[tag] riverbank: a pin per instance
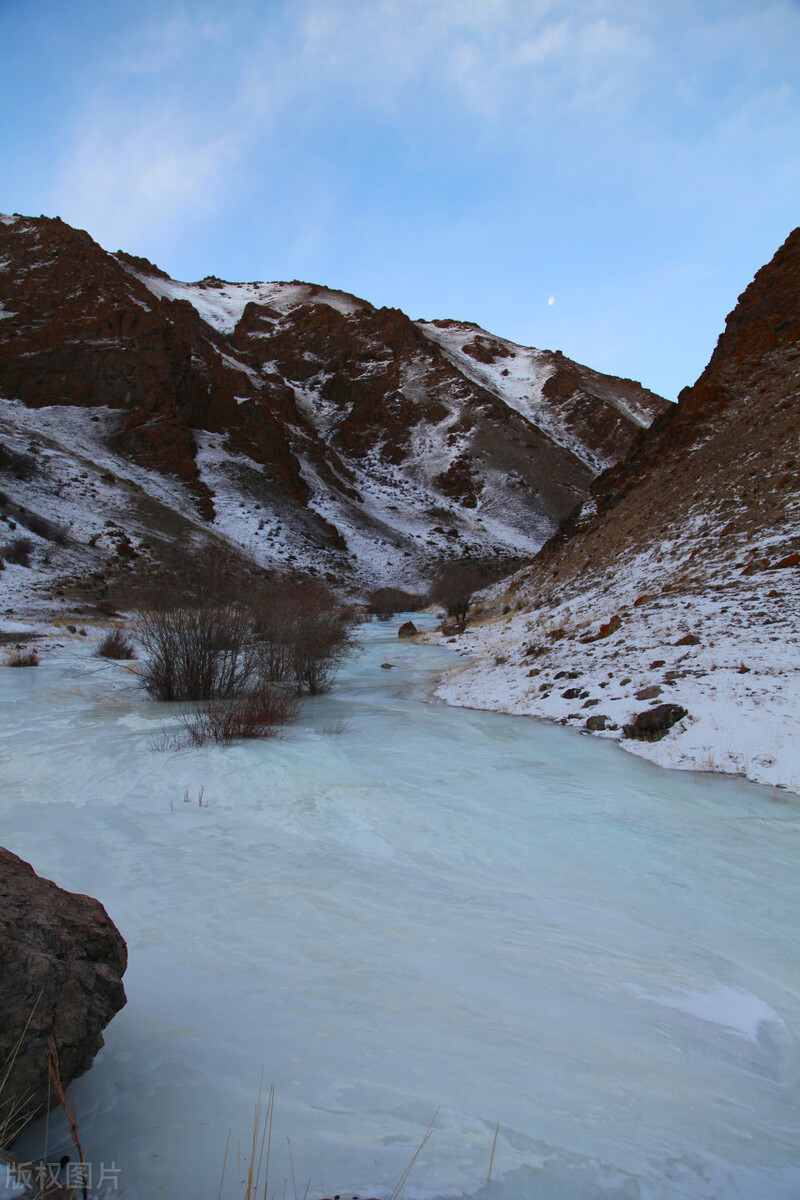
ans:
(728, 655)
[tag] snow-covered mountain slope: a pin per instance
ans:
(588, 413)
(300, 424)
(678, 580)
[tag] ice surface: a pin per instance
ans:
(734, 1009)
(436, 908)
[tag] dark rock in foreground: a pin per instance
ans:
(408, 630)
(61, 965)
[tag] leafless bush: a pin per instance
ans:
(18, 657)
(258, 714)
(274, 616)
(218, 644)
(323, 638)
(117, 645)
(18, 551)
(201, 653)
(45, 528)
(385, 602)
(305, 634)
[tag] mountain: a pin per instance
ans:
(677, 580)
(297, 422)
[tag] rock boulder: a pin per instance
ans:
(652, 725)
(61, 965)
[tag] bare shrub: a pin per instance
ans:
(18, 551)
(197, 637)
(14, 462)
(45, 528)
(305, 634)
(385, 602)
(323, 637)
(258, 714)
(218, 644)
(201, 653)
(18, 657)
(117, 645)
(274, 614)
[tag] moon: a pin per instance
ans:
(551, 300)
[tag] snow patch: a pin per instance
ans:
(222, 305)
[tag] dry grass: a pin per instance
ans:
(258, 714)
(333, 727)
(19, 657)
(116, 645)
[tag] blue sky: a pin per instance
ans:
(633, 161)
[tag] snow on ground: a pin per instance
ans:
(517, 376)
(94, 496)
(740, 682)
(88, 494)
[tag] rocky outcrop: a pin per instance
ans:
(754, 362)
(322, 404)
(407, 630)
(655, 723)
(61, 967)
(715, 474)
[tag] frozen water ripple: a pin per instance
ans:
(434, 908)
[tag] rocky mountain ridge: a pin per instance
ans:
(292, 420)
(677, 581)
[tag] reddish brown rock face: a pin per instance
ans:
(87, 332)
(715, 476)
(321, 393)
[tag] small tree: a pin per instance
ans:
(455, 588)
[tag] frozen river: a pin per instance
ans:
(432, 911)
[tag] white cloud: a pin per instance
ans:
(494, 57)
(191, 104)
(121, 182)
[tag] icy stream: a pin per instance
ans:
(434, 909)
